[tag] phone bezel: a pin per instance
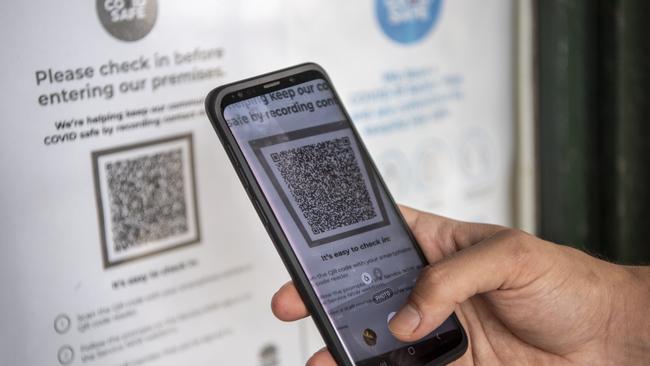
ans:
(215, 103)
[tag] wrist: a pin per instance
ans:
(634, 308)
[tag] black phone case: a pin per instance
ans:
(300, 279)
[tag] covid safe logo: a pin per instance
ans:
(407, 21)
(128, 20)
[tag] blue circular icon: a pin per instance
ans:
(407, 21)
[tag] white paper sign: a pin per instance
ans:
(128, 238)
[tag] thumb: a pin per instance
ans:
(495, 263)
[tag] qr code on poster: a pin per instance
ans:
(325, 183)
(146, 198)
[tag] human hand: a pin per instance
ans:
(522, 300)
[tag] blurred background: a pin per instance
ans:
(127, 237)
(593, 155)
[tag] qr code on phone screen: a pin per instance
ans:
(146, 201)
(324, 181)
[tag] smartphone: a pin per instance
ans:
(329, 214)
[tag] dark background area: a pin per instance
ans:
(593, 131)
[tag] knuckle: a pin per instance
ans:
(517, 245)
(432, 284)
(433, 276)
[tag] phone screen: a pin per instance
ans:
(337, 215)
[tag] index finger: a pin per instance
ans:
(440, 236)
(409, 214)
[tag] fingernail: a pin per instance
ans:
(405, 321)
